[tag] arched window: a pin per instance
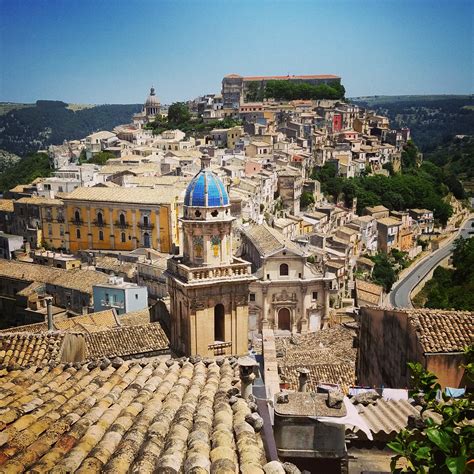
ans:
(101, 235)
(77, 216)
(283, 269)
(122, 219)
(100, 218)
(219, 323)
(78, 233)
(123, 237)
(284, 320)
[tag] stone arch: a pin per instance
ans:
(284, 319)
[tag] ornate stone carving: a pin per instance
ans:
(197, 304)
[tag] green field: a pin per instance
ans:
(6, 107)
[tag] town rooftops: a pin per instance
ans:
(379, 208)
(367, 292)
(38, 200)
(442, 331)
(269, 241)
(117, 416)
(149, 196)
(77, 279)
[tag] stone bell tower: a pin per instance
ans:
(208, 286)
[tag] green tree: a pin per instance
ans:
(441, 440)
(101, 157)
(178, 113)
(409, 155)
(306, 199)
(383, 272)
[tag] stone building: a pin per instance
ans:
(290, 187)
(389, 339)
(208, 287)
(290, 294)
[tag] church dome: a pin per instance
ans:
(206, 190)
(152, 99)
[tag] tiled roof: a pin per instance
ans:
(206, 189)
(77, 279)
(368, 292)
(38, 200)
(327, 353)
(23, 349)
(92, 322)
(125, 341)
(135, 318)
(6, 205)
(443, 331)
(268, 240)
(155, 196)
(341, 374)
(119, 417)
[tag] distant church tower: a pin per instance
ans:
(152, 104)
(208, 287)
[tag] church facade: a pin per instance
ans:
(208, 286)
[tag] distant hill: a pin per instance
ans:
(25, 128)
(433, 119)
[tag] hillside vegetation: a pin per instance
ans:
(28, 129)
(433, 120)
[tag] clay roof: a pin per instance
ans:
(368, 292)
(22, 349)
(6, 205)
(133, 416)
(327, 353)
(156, 196)
(125, 341)
(77, 279)
(443, 331)
(268, 240)
(341, 374)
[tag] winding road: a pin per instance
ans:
(400, 294)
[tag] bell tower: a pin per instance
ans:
(208, 286)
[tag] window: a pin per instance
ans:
(145, 221)
(78, 233)
(50, 229)
(101, 235)
(315, 295)
(219, 323)
(61, 230)
(77, 216)
(122, 219)
(136, 296)
(283, 269)
(252, 297)
(100, 219)
(123, 237)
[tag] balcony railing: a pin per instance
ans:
(220, 348)
(122, 225)
(77, 222)
(238, 269)
(147, 226)
(112, 304)
(60, 218)
(97, 223)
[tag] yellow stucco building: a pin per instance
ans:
(121, 218)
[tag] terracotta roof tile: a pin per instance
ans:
(152, 416)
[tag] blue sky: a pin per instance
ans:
(111, 51)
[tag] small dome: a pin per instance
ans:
(206, 190)
(152, 99)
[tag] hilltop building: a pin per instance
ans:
(151, 109)
(208, 286)
(235, 87)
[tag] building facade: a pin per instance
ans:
(208, 287)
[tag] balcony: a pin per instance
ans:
(238, 270)
(97, 223)
(220, 348)
(60, 218)
(112, 304)
(77, 222)
(122, 225)
(147, 226)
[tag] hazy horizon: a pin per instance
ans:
(111, 52)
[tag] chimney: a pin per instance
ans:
(302, 379)
(246, 369)
(49, 309)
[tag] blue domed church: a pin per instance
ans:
(208, 286)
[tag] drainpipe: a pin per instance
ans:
(303, 375)
(246, 369)
(49, 307)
